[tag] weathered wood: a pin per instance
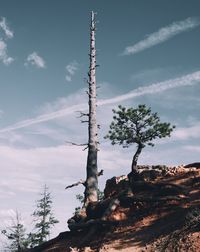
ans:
(102, 210)
(76, 144)
(82, 182)
(96, 211)
(91, 184)
(111, 208)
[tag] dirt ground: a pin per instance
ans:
(148, 227)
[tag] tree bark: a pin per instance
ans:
(135, 158)
(82, 182)
(91, 185)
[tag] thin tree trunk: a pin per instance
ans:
(42, 235)
(18, 233)
(91, 185)
(135, 159)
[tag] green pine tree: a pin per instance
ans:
(137, 126)
(16, 235)
(43, 218)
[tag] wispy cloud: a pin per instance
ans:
(1, 113)
(4, 26)
(45, 117)
(35, 60)
(8, 34)
(5, 213)
(163, 35)
(23, 166)
(186, 80)
(187, 132)
(192, 148)
(4, 55)
(71, 69)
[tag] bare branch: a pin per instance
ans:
(80, 182)
(88, 93)
(100, 173)
(83, 182)
(72, 143)
(85, 148)
(82, 114)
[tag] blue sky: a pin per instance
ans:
(148, 52)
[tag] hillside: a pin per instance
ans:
(160, 213)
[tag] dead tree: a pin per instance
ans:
(82, 182)
(91, 184)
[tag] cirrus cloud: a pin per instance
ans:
(71, 68)
(7, 34)
(7, 60)
(162, 35)
(185, 80)
(35, 60)
(4, 26)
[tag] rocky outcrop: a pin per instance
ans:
(115, 185)
(151, 215)
(194, 165)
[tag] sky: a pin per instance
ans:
(148, 52)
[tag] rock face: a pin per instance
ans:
(161, 211)
(115, 185)
(147, 173)
(151, 172)
(196, 165)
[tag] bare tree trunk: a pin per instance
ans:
(135, 159)
(19, 249)
(91, 185)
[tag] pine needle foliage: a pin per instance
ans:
(16, 235)
(137, 126)
(43, 218)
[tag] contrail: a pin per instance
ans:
(186, 80)
(162, 35)
(44, 117)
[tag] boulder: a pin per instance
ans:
(115, 185)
